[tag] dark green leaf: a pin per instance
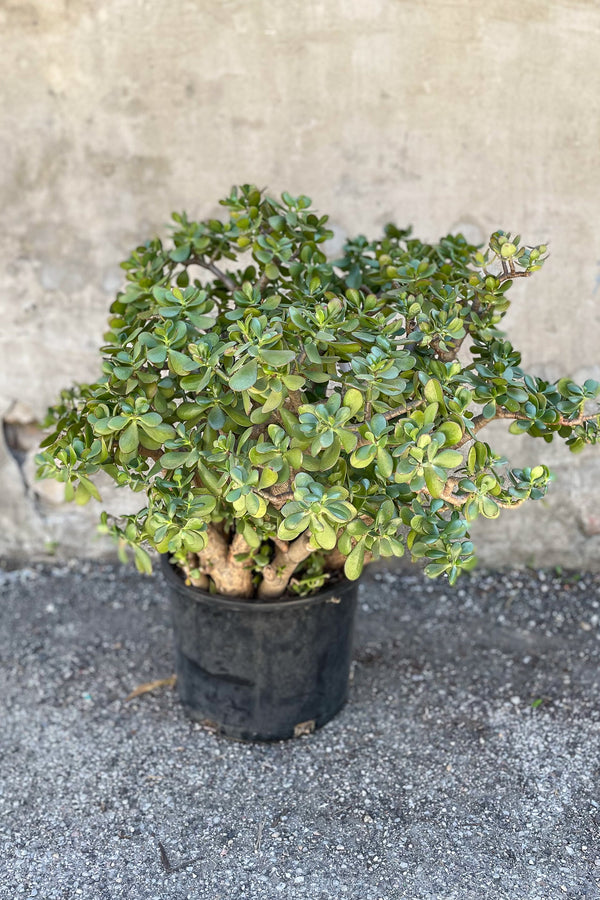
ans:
(173, 459)
(216, 418)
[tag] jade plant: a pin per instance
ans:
(285, 417)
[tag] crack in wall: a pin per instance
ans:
(20, 435)
(15, 448)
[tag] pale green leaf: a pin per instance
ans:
(355, 561)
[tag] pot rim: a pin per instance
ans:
(194, 593)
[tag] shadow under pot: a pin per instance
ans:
(261, 671)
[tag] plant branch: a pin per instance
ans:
(449, 496)
(390, 414)
(334, 560)
(264, 278)
(401, 410)
(277, 574)
(232, 577)
(200, 581)
(446, 355)
(293, 401)
(507, 505)
(448, 492)
(480, 421)
(227, 280)
(263, 282)
(508, 276)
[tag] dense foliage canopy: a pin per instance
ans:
(285, 415)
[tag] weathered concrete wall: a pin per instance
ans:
(464, 115)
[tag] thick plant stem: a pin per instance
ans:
(334, 560)
(232, 577)
(277, 574)
(199, 581)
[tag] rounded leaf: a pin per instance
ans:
(128, 439)
(489, 509)
(435, 485)
(452, 432)
(353, 400)
(448, 459)
(355, 562)
(433, 391)
(245, 377)
(364, 456)
(277, 358)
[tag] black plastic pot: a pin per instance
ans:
(262, 671)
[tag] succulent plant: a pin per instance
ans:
(285, 417)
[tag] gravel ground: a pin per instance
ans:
(465, 765)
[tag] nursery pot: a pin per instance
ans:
(261, 671)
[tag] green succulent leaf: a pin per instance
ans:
(129, 438)
(181, 253)
(353, 400)
(448, 459)
(173, 459)
(355, 562)
(489, 508)
(180, 363)
(364, 456)
(323, 535)
(435, 484)
(385, 463)
(278, 357)
(433, 391)
(143, 562)
(245, 377)
(452, 432)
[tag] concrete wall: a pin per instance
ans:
(463, 115)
